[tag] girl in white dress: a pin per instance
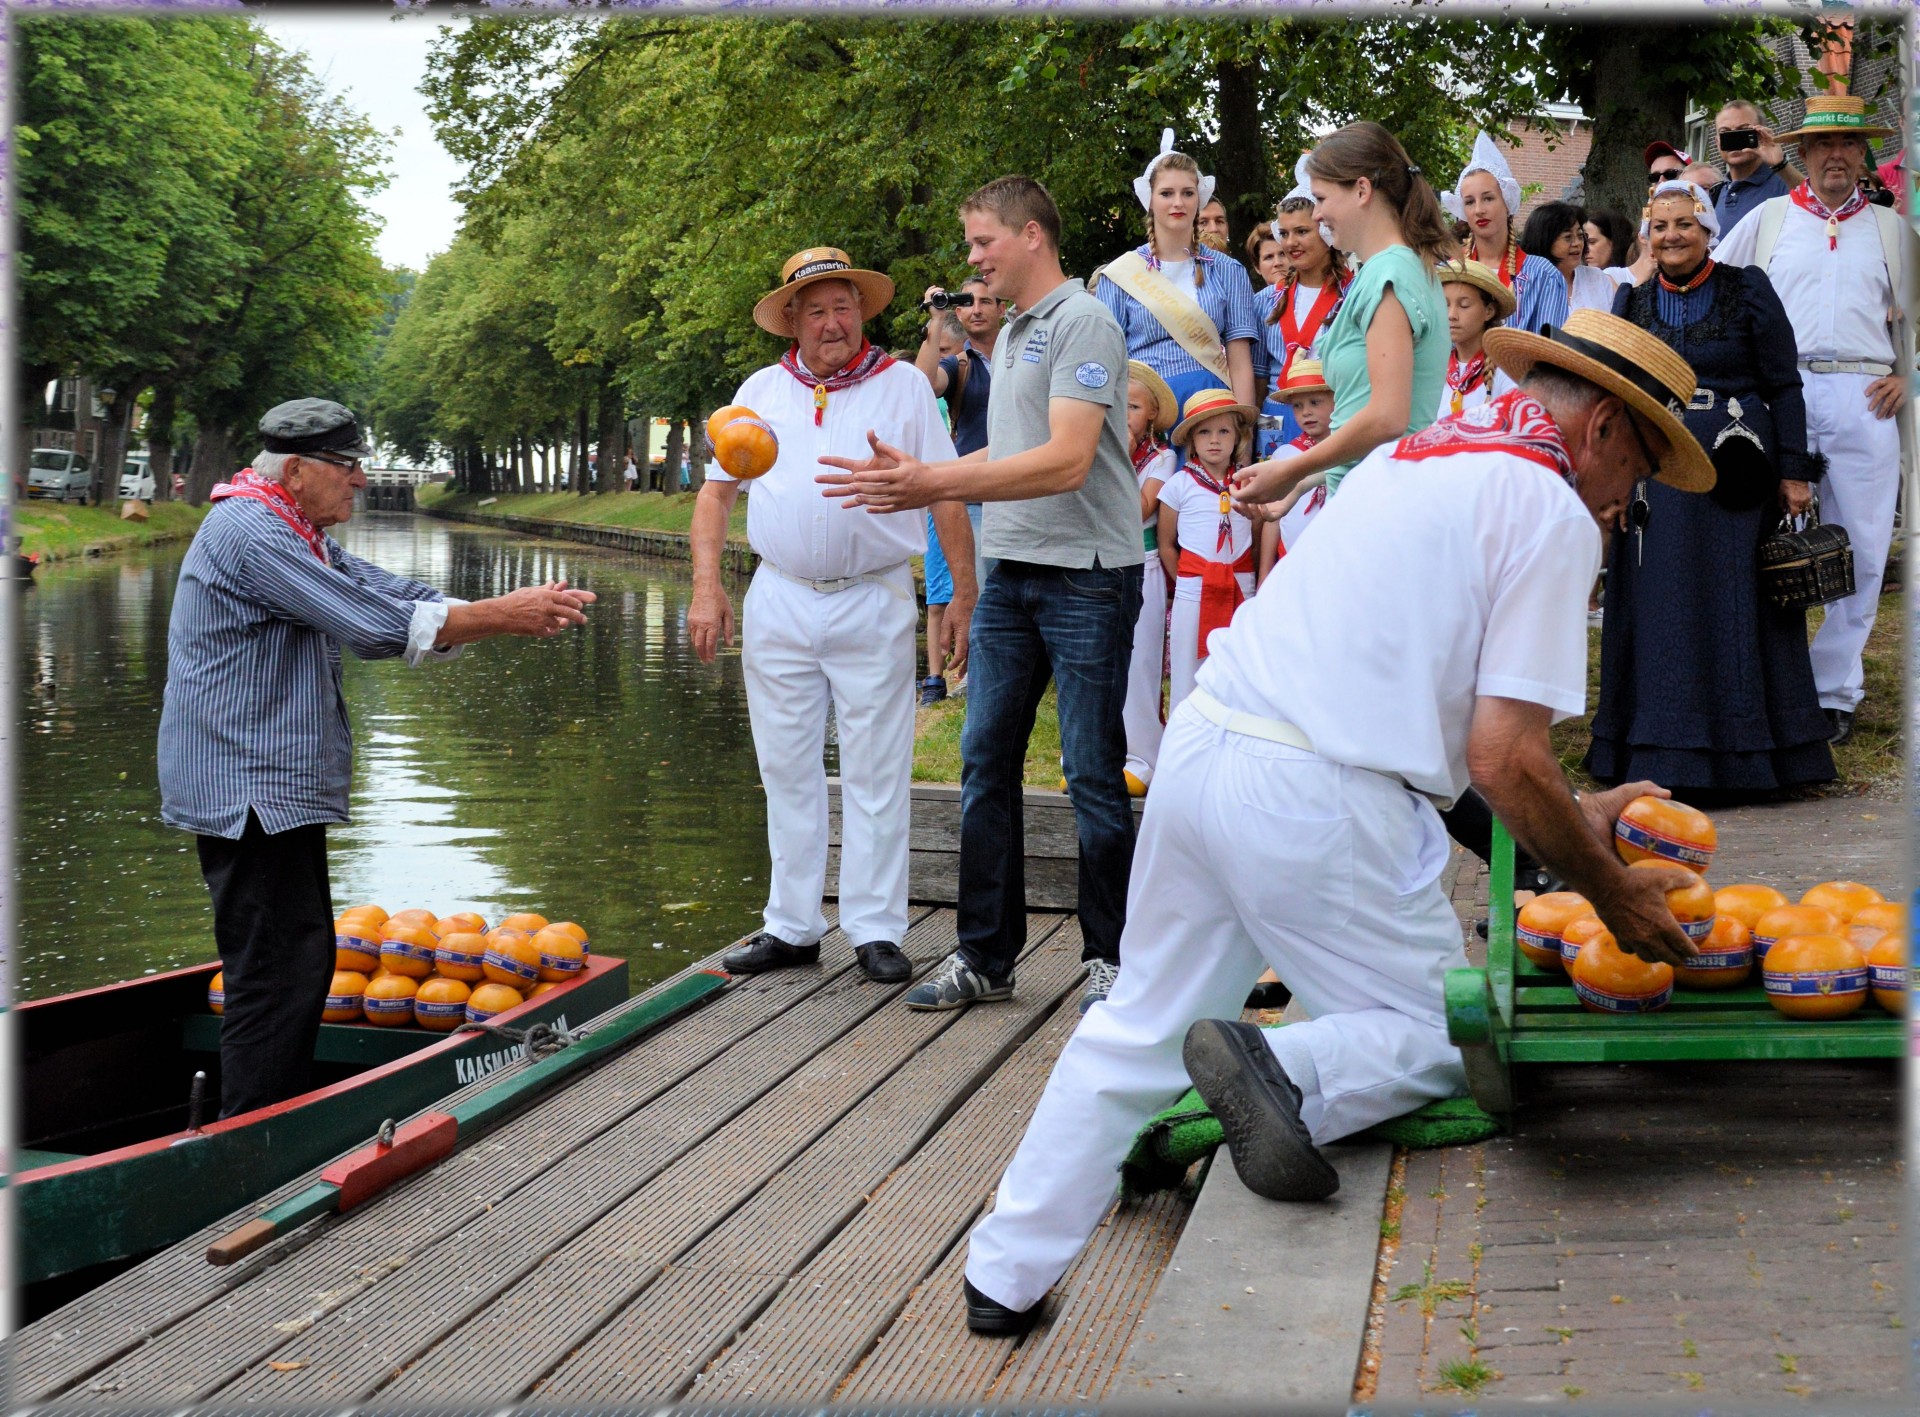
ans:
(1205, 545)
(1151, 411)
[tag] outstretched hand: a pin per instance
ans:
(889, 481)
(543, 610)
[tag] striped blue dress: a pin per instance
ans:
(1227, 298)
(1539, 295)
(255, 717)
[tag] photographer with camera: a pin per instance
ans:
(1757, 166)
(965, 379)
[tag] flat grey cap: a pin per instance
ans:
(313, 426)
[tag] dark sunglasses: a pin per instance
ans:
(1666, 174)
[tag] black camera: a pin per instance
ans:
(1739, 140)
(944, 300)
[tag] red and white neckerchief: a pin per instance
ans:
(1223, 489)
(255, 488)
(1316, 498)
(869, 361)
(1144, 452)
(1303, 442)
(1297, 335)
(1515, 423)
(1692, 283)
(1464, 379)
(1856, 202)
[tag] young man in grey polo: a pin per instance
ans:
(1062, 524)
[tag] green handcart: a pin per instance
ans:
(1514, 1012)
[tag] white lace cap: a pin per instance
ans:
(1143, 184)
(1486, 158)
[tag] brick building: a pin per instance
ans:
(1552, 150)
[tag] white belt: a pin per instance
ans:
(1275, 730)
(1846, 366)
(886, 577)
(1250, 725)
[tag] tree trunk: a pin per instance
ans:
(1240, 157)
(160, 442)
(116, 430)
(611, 438)
(583, 479)
(697, 472)
(670, 470)
(212, 462)
(1631, 107)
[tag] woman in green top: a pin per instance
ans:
(1386, 351)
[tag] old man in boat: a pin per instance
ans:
(1426, 635)
(256, 752)
(830, 616)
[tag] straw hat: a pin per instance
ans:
(1482, 278)
(1626, 361)
(1166, 408)
(1211, 403)
(1845, 114)
(818, 263)
(1302, 376)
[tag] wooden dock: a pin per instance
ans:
(766, 1202)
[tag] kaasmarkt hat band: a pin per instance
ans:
(814, 264)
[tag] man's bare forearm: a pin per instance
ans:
(1529, 793)
(708, 533)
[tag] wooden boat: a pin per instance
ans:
(110, 1163)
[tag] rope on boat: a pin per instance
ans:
(538, 1040)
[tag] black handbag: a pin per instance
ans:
(1809, 567)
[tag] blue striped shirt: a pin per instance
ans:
(1540, 295)
(255, 716)
(1227, 297)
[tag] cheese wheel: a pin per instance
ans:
(526, 923)
(344, 997)
(374, 916)
(511, 959)
(1843, 898)
(722, 416)
(356, 944)
(746, 447)
(407, 949)
(1887, 974)
(1608, 980)
(1536, 930)
(1791, 920)
(389, 999)
(1651, 826)
(460, 956)
(1692, 904)
(1747, 903)
(1725, 958)
(578, 932)
(416, 916)
(1577, 933)
(441, 1004)
(461, 922)
(1870, 922)
(489, 999)
(560, 955)
(1815, 976)
(217, 992)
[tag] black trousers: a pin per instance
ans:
(273, 924)
(1470, 822)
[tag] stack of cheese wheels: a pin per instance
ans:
(1536, 930)
(1815, 976)
(1669, 831)
(1608, 980)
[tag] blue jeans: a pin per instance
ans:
(1034, 623)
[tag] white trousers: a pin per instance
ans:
(801, 647)
(1183, 639)
(1863, 479)
(1250, 854)
(1141, 712)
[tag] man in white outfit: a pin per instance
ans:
(1428, 633)
(1833, 258)
(830, 614)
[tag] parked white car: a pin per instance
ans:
(60, 475)
(135, 479)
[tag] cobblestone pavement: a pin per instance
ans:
(1703, 1232)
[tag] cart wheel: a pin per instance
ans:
(1474, 1026)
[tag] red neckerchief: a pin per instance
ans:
(1513, 423)
(1804, 198)
(1698, 279)
(251, 485)
(1223, 540)
(869, 361)
(1144, 452)
(1510, 273)
(1303, 442)
(1325, 305)
(1464, 380)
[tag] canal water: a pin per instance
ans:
(605, 776)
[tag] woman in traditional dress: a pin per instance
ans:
(1705, 686)
(1295, 313)
(1187, 309)
(1558, 231)
(1385, 349)
(1486, 197)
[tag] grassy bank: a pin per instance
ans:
(56, 531)
(635, 511)
(1872, 761)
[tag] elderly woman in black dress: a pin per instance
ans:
(1705, 686)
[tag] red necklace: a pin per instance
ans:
(1698, 279)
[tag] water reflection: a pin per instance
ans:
(606, 776)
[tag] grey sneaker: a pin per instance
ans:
(1100, 976)
(955, 984)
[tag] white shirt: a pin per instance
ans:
(1837, 300)
(1199, 527)
(1181, 274)
(1592, 290)
(1158, 467)
(1424, 585)
(789, 523)
(1302, 511)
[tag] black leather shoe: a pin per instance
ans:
(1259, 1110)
(1842, 721)
(763, 952)
(883, 962)
(987, 1316)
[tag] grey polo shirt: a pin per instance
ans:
(1066, 346)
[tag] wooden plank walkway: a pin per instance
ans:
(767, 1201)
